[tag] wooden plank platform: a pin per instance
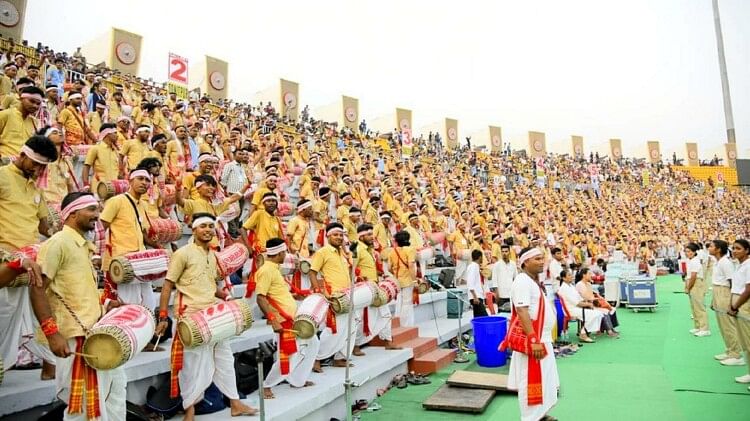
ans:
(479, 380)
(459, 399)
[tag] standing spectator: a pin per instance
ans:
(56, 75)
(475, 285)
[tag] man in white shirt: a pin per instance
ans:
(474, 284)
(555, 268)
(503, 273)
(722, 295)
(233, 179)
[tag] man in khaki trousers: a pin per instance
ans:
(722, 295)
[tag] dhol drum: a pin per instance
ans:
(231, 259)
(381, 297)
(290, 264)
(311, 313)
(216, 323)
(164, 231)
(107, 189)
(168, 195)
(28, 252)
(232, 212)
(144, 266)
(304, 266)
(118, 336)
(390, 287)
(364, 295)
(423, 287)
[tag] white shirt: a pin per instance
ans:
(570, 294)
(526, 293)
(555, 268)
(502, 277)
(474, 280)
(694, 266)
(723, 271)
(741, 277)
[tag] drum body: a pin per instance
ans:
(231, 259)
(118, 337)
(390, 287)
(311, 313)
(425, 254)
(423, 287)
(144, 266)
(216, 323)
(364, 295)
(53, 219)
(304, 266)
(290, 264)
(107, 189)
(164, 231)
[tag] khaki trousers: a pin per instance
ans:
(722, 297)
(697, 304)
(743, 327)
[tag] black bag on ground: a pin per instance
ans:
(446, 277)
(443, 261)
(158, 400)
(246, 368)
(213, 401)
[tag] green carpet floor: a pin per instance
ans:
(636, 377)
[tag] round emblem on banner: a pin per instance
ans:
(217, 80)
(452, 133)
(125, 53)
(692, 155)
(654, 154)
(577, 149)
(290, 100)
(538, 145)
(496, 140)
(404, 124)
(732, 155)
(9, 16)
(616, 152)
(351, 114)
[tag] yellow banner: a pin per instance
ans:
(289, 98)
(615, 148)
(217, 78)
(496, 139)
(350, 110)
(537, 144)
(451, 133)
(577, 146)
(126, 51)
(654, 154)
(692, 153)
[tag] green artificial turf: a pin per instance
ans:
(636, 377)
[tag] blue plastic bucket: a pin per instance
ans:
(488, 333)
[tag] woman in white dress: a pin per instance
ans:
(695, 287)
(578, 308)
(532, 378)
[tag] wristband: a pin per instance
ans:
(163, 314)
(49, 327)
(316, 290)
(270, 317)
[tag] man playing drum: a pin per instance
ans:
(67, 305)
(299, 233)
(403, 264)
(294, 356)
(378, 318)
(192, 270)
(329, 274)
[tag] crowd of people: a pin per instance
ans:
(95, 175)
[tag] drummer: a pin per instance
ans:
(67, 305)
(378, 318)
(294, 356)
(299, 238)
(329, 274)
(193, 271)
(403, 265)
(103, 158)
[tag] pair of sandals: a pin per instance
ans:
(402, 381)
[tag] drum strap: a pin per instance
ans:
(287, 339)
(135, 209)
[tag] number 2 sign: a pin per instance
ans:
(178, 69)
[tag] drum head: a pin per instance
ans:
(106, 352)
(304, 266)
(119, 272)
(186, 334)
(105, 190)
(339, 304)
(423, 287)
(305, 328)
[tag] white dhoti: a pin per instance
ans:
(592, 318)
(17, 325)
(334, 344)
(518, 380)
(461, 266)
(405, 307)
(300, 364)
(206, 364)
(378, 322)
(112, 385)
(137, 292)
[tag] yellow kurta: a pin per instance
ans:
(134, 150)
(15, 131)
(332, 267)
(22, 206)
(193, 271)
(125, 235)
(272, 285)
(265, 225)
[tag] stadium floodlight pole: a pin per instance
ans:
(723, 71)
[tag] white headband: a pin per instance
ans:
(274, 197)
(33, 96)
(75, 96)
(273, 251)
(334, 231)
(202, 220)
(143, 129)
(304, 206)
(51, 130)
(204, 158)
(363, 233)
(78, 204)
(140, 173)
(106, 132)
(528, 255)
(38, 158)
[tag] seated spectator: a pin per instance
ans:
(584, 288)
(577, 308)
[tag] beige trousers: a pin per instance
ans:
(698, 305)
(743, 328)
(727, 324)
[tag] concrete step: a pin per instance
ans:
(420, 346)
(432, 361)
(395, 322)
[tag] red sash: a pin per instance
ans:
(287, 340)
(83, 377)
(176, 357)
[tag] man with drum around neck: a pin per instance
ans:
(329, 274)
(295, 356)
(193, 271)
(67, 304)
